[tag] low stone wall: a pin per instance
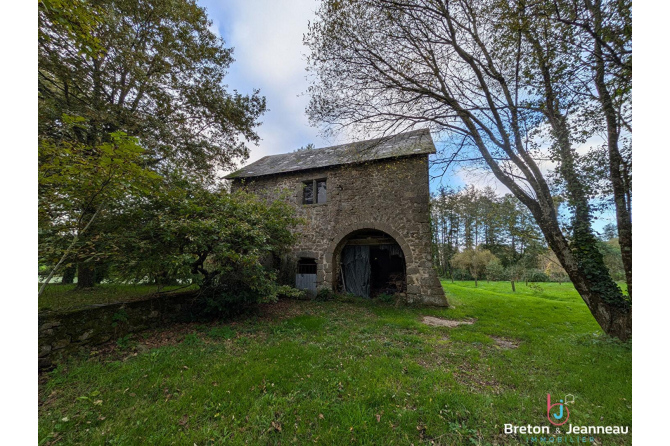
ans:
(64, 333)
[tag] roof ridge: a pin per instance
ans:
(364, 141)
(413, 142)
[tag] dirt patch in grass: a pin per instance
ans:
(477, 378)
(282, 309)
(506, 343)
(473, 376)
(439, 322)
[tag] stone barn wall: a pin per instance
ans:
(390, 195)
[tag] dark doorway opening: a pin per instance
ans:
(388, 270)
(371, 263)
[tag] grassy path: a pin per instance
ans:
(350, 372)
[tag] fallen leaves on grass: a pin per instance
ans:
(184, 421)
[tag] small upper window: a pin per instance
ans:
(314, 192)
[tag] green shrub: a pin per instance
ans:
(290, 292)
(324, 294)
(536, 275)
(120, 317)
(218, 240)
(495, 271)
(125, 342)
(386, 298)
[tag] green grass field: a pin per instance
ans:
(350, 372)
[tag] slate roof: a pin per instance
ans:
(416, 142)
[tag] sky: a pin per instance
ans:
(268, 52)
(270, 56)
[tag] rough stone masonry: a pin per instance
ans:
(379, 184)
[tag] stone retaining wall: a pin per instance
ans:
(64, 333)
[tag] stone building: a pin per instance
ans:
(365, 213)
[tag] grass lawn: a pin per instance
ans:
(350, 372)
(68, 297)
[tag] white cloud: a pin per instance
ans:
(267, 38)
(481, 179)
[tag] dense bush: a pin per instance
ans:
(474, 261)
(216, 239)
(535, 275)
(324, 294)
(495, 271)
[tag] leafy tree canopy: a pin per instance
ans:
(150, 68)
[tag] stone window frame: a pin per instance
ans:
(314, 181)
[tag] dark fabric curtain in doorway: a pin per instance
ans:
(356, 268)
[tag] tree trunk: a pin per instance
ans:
(513, 287)
(85, 275)
(86, 270)
(614, 318)
(68, 275)
(580, 258)
(594, 284)
(67, 253)
(616, 163)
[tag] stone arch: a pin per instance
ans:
(340, 238)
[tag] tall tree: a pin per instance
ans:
(70, 185)
(600, 33)
(156, 73)
(483, 74)
(149, 69)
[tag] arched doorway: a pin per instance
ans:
(369, 262)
